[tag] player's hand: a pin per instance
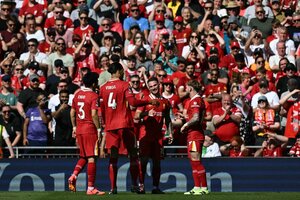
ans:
(184, 128)
(154, 102)
(74, 132)
(170, 139)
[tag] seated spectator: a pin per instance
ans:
(33, 69)
(7, 96)
(261, 73)
(226, 120)
(138, 41)
(108, 42)
(283, 37)
(6, 10)
(48, 45)
(273, 146)
(236, 148)
(266, 120)
(251, 10)
(56, 3)
(84, 26)
(142, 60)
(282, 84)
(210, 148)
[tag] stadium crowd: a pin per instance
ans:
(245, 54)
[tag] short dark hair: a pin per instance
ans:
(114, 67)
(152, 79)
(90, 78)
(35, 41)
(64, 91)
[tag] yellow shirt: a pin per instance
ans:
(174, 8)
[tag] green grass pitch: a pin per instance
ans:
(168, 196)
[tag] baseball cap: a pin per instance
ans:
(64, 70)
(213, 50)
(167, 80)
(262, 98)
(33, 76)
(34, 65)
(233, 19)
(134, 25)
(178, 19)
(58, 63)
(209, 133)
(117, 49)
(108, 34)
(142, 51)
(275, 1)
(159, 18)
(6, 78)
(213, 59)
(263, 83)
(234, 44)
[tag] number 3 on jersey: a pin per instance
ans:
(81, 113)
(111, 102)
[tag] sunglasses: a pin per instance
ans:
(19, 69)
(11, 25)
(60, 44)
(160, 11)
(105, 24)
(177, 23)
(31, 45)
(7, 65)
(135, 82)
(135, 10)
(58, 12)
(214, 74)
(35, 80)
(82, 18)
(5, 9)
(208, 8)
(6, 111)
(258, 12)
(162, 75)
(262, 102)
(260, 62)
(194, 36)
(296, 20)
(81, 2)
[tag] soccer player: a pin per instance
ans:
(193, 126)
(151, 137)
(86, 127)
(119, 135)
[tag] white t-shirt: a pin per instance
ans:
(39, 35)
(212, 151)
(290, 46)
(272, 97)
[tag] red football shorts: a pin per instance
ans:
(194, 146)
(122, 139)
(151, 148)
(87, 144)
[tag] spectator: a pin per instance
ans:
(17, 76)
(12, 124)
(83, 6)
(294, 29)
(181, 34)
(35, 131)
(56, 3)
(226, 120)
(160, 10)
(276, 9)
(169, 59)
(34, 8)
(84, 27)
(7, 96)
(32, 32)
(106, 9)
(195, 46)
(60, 53)
(6, 10)
(136, 17)
(295, 150)
(228, 60)
(4, 135)
(48, 46)
(273, 146)
(272, 97)
(138, 41)
(283, 37)
(63, 125)
(281, 53)
(27, 97)
(254, 46)
(142, 60)
(250, 12)
(62, 31)
(236, 148)
(186, 13)
(108, 42)
(210, 148)
(282, 84)
(33, 68)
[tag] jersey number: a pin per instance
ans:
(81, 113)
(111, 102)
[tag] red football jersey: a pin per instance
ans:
(195, 105)
(174, 102)
(81, 31)
(215, 89)
(85, 100)
(152, 125)
(116, 112)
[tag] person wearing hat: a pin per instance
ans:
(108, 42)
(169, 58)
(250, 12)
(34, 8)
(83, 7)
(7, 97)
(271, 96)
(53, 79)
(142, 60)
(136, 17)
(181, 34)
(228, 59)
(234, 9)
(291, 73)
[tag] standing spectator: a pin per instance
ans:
(62, 31)
(181, 34)
(151, 137)
(119, 134)
(136, 17)
(106, 9)
(169, 59)
(195, 137)
(63, 125)
(210, 148)
(86, 129)
(48, 46)
(226, 120)
(27, 97)
(7, 96)
(138, 41)
(12, 124)
(17, 76)
(35, 131)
